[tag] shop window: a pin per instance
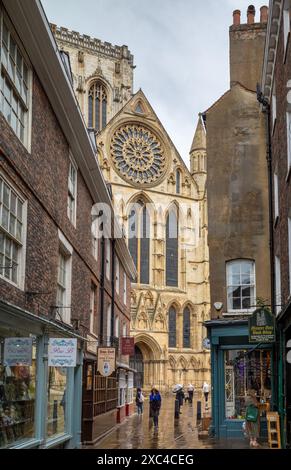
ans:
(17, 388)
(57, 401)
(240, 286)
(89, 377)
(245, 372)
(14, 82)
(72, 192)
(12, 234)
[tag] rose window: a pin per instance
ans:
(137, 154)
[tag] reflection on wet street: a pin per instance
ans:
(138, 431)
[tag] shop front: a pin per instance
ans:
(40, 394)
(238, 369)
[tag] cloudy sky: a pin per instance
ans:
(180, 50)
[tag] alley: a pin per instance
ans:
(138, 433)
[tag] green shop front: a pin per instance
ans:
(40, 381)
(237, 367)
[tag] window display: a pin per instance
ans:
(245, 372)
(57, 399)
(17, 393)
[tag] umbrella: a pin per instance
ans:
(177, 387)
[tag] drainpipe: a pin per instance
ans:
(101, 312)
(113, 290)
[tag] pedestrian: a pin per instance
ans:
(252, 418)
(155, 406)
(180, 395)
(190, 391)
(205, 388)
(139, 399)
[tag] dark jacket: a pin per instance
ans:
(180, 397)
(155, 404)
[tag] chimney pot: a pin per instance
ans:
(251, 14)
(264, 14)
(236, 17)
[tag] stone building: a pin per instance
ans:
(238, 229)
(276, 88)
(170, 300)
(51, 275)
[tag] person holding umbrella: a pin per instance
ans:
(180, 395)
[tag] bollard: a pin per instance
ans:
(177, 409)
(198, 410)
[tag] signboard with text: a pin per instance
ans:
(262, 327)
(62, 352)
(17, 352)
(127, 346)
(106, 363)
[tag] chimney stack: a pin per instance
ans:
(251, 14)
(264, 14)
(236, 17)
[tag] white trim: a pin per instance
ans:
(276, 196)
(241, 310)
(107, 258)
(72, 163)
(66, 249)
(124, 288)
(117, 275)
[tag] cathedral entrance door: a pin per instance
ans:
(136, 362)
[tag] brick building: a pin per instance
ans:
(276, 86)
(58, 280)
(237, 189)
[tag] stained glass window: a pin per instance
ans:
(172, 248)
(97, 106)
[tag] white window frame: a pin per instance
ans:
(72, 192)
(92, 306)
(117, 275)
(116, 327)
(95, 239)
(124, 288)
(286, 24)
(107, 257)
(124, 330)
(241, 310)
(276, 196)
(66, 250)
(10, 75)
(274, 105)
(21, 243)
(278, 285)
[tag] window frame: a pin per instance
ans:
(72, 192)
(107, 259)
(141, 236)
(102, 120)
(276, 197)
(12, 80)
(21, 255)
(117, 274)
(66, 251)
(169, 246)
(124, 288)
(241, 310)
(278, 296)
(286, 25)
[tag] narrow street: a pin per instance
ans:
(138, 432)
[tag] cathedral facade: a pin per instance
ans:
(162, 206)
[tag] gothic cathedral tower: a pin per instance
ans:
(156, 198)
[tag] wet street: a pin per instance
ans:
(137, 432)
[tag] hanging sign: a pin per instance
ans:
(262, 327)
(106, 361)
(127, 346)
(17, 352)
(62, 352)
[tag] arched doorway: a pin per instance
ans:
(136, 362)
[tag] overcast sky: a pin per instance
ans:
(180, 50)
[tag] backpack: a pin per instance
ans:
(252, 413)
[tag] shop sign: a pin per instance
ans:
(262, 327)
(106, 361)
(127, 346)
(18, 352)
(62, 352)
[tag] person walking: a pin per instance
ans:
(190, 391)
(205, 389)
(252, 418)
(180, 395)
(155, 406)
(139, 400)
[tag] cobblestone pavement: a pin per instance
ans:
(137, 432)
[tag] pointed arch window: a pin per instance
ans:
(186, 328)
(97, 106)
(178, 182)
(172, 328)
(172, 225)
(139, 241)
